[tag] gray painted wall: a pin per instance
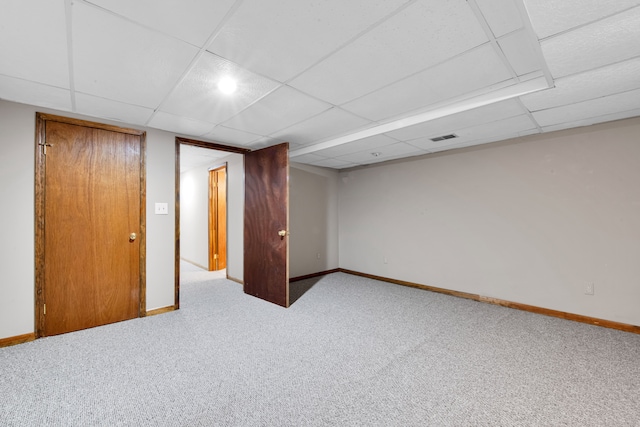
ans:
(313, 219)
(17, 136)
(532, 221)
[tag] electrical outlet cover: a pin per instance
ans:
(589, 290)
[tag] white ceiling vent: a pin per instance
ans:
(444, 137)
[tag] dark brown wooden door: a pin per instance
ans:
(218, 219)
(92, 227)
(266, 256)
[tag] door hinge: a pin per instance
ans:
(44, 147)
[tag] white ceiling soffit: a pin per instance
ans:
(503, 94)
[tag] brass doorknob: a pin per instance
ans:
(132, 236)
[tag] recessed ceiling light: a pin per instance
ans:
(227, 85)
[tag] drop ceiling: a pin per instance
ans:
(192, 157)
(339, 80)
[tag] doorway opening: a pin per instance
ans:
(257, 219)
(218, 218)
(209, 203)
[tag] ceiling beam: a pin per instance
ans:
(508, 92)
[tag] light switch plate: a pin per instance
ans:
(162, 209)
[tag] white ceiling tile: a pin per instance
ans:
(589, 109)
(334, 163)
(436, 146)
(605, 42)
(552, 16)
(112, 110)
(594, 120)
(502, 16)
(191, 151)
(268, 142)
(119, 60)
(227, 135)
(33, 41)
(309, 158)
(450, 124)
(532, 131)
(451, 144)
(332, 122)
(476, 69)
(388, 152)
(264, 142)
(500, 137)
(180, 125)
(476, 142)
(442, 148)
(281, 39)
(198, 96)
(190, 20)
(276, 111)
(520, 52)
(192, 157)
(365, 144)
(616, 78)
(422, 35)
(28, 92)
(508, 127)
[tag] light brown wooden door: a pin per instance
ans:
(218, 219)
(266, 218)
(92, 227)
